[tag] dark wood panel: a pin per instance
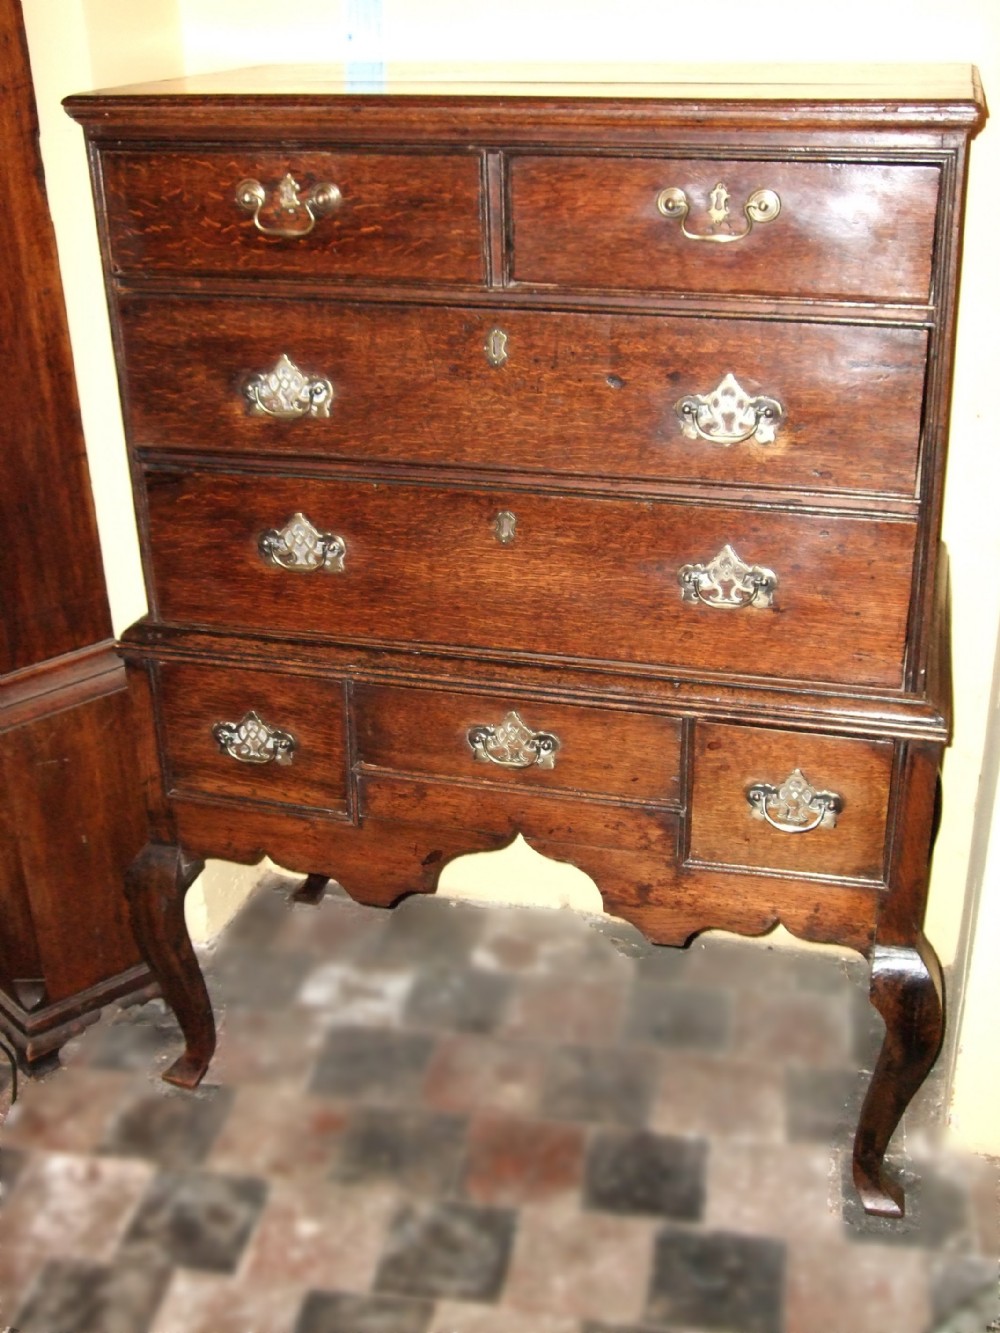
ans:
(845, 231)
(509, 812)
(410, 217)
(194, 698)
(52, 598)
(595, 579)
(724, 831)
(635, 756)
(577, 394)
(77, 817)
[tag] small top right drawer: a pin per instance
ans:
(839, 231)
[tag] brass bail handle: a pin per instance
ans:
(301, 213)
(762, 206)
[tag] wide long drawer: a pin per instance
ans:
(412, 217)
(836, 230)
(805, 406)
(720, 588)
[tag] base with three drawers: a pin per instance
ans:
(563, 462)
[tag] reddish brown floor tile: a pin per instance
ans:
(545, 1008)
(18, 1269)
(280, 1132)
(712, 1095)
(203, 1303)
(458, 1317)
(76, 1206)
(513, 1161)
(791, 1030)
(869, 1289)
(319, 1235)
(467, 1073)
(262, 1046)
(581, 1265)
(68, 1111)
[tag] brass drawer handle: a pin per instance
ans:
(795, 806)
(288, 393)
(301, 213)
(252, 741)
(762, 206)
(727, 583)
(729, 415)
(300, 547)
(512, 744)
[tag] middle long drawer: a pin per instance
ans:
(735, 589)
(817, 407)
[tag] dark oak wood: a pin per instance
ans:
(583, 578)
(531, 212)
(636, 756)
(70, 816)
(844, 232)
(156, 884)
(578, 395)
(404, 217)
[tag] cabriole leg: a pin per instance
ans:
(907, 991)
(156, 884)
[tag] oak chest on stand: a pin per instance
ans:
(556, 460)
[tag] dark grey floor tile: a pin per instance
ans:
(588, 1326)
(604, 1084)
(78, 1296)
(420, 1151)
(688, 1017)
(717, 1280)
(196, 1219)
(460, 999)
(339, 1312)
(961, 1282)
(12, 1162)
(823, 1104)
(265, 981)
(425, 931)
(640, 1172)
(134, 1038)
(658, 961)
(447, 1250)
(937, 1209)
(174, 1129)
(260, 919)
(372, 1064)
(664, 965)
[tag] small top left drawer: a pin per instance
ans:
(353, 216)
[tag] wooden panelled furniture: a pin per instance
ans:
(72, 815)
(555, 460)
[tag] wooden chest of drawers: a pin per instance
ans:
(555, 461)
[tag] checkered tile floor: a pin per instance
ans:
(459, 1119)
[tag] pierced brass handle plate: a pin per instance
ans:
(298, 215)
(252, 741)
(288, 393)
(762, 206)
(727, 583)
(795, 806)
(301, 548)
(729, 415)
(513, 744)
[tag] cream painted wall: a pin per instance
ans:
(81, 43)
